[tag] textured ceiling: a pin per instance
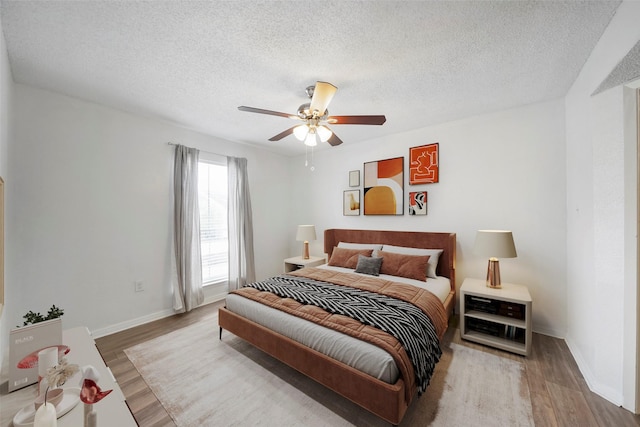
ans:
(193, 63)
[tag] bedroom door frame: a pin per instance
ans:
(631, 304)
(637, 396)
(1, 245)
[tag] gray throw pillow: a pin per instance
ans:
(368, 265)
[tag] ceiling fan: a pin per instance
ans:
(316, 117)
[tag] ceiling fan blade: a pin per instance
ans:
(334, 140)
(282, 134)
(322, 95)
(356, 120)
(262, 111)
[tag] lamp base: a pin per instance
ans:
(493, 274)
(305, 253)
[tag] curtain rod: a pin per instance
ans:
(210, 152)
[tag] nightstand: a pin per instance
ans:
(295, 263)
(499, 318)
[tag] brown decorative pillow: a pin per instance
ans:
(409, 266)
(348, 258)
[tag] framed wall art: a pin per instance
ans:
(354, 179)
(417, 203)
(384, 187)
(424, 164)
(351, 203)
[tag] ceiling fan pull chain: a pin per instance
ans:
(306, 158)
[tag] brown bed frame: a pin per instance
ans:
(385, 400)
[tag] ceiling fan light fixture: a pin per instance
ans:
(311, 140)
(301, 132)
(315, 115)
(324, 133)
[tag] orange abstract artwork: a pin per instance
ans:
(384, 187)
(423, 164)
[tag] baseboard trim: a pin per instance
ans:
(119, 327)
(548, 332)
(215, 298)
(595, 386)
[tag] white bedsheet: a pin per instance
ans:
(356, 353)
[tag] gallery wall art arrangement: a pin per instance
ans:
(383, 184)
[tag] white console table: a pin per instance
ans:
(112, 410)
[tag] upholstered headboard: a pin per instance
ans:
(412, 239)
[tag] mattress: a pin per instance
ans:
(358, 354)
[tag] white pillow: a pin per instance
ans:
(373, 246)
(434, 256)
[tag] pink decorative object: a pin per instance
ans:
(91, 392)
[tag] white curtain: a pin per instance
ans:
(241, 261)
(187, 283)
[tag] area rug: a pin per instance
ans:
(204, 381)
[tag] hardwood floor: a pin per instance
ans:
(559, 393)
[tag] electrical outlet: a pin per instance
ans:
(138, 286)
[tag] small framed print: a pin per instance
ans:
(424, 164)
(417, 203)
(354, 178)
(351, 203)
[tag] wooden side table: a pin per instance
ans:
(500, 318)
(297, 262)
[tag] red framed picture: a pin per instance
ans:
(423, 164)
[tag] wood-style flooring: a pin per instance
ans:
(559, 393)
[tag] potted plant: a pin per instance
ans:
(31, 317)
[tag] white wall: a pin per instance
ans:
(504, 170)
(602, 267)
(92, 210)
(6, 96)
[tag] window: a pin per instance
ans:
(212, 200)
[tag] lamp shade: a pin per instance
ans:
(301, 132)
(311, 140)
(306, 233)
(324, 133)
(495, 244)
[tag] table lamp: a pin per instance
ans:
(494, 244)
(306, 233)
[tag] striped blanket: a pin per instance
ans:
(403, 320)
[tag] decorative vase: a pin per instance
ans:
(46, 416)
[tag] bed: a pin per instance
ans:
(387, 393)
